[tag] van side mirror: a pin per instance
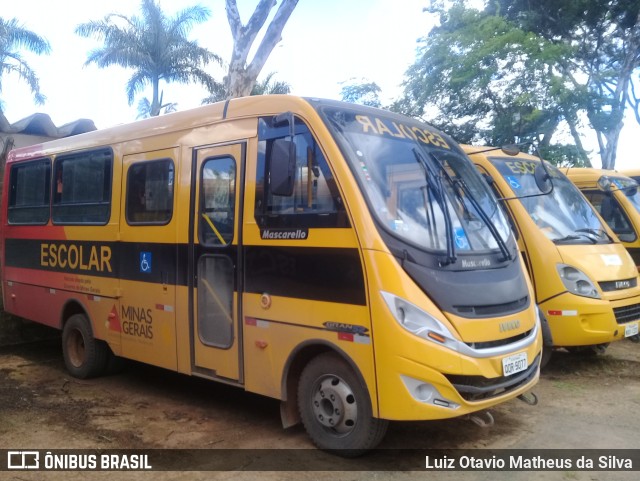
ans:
(282, 169)
(510, 149)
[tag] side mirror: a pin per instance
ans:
(543, 178)
(282, 171)
(510, 149)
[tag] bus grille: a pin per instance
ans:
(494, 310)
(609, 286)
(478, 388)
(627, 313)
(501, 342)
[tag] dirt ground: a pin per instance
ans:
(585, 402)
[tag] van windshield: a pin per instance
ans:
(564, 215)
(419, 184)
(630, 189)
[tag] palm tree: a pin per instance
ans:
(144, 107)
(154, 46)
(266, 87)
(14, 37)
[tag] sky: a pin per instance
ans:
(325, 43)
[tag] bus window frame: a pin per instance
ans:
(303, 219)
(13, 187)
(71, 156)
(128, 192)
(202, 209)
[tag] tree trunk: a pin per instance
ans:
(242, 75)
(155, 101)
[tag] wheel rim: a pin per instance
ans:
(334, 405)
(76, 348)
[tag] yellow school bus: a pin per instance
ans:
(586, 284)
(633, 173)
(345, 260)
(615, 196)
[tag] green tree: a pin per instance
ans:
(13, 38)
(363, 92)
(155, 46)
(265, 87)
(606, 36)
(268, 86)
(483, 79)
(144, 107)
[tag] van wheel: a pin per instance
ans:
(545, 357)
(336, 409)
(84, 356)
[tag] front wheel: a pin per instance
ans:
(84, 356)
(336, 409)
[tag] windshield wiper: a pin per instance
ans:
(439, 195)
(459, 183)
(587, 233)
(572, 237)
(596, 232)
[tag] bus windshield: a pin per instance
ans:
(630, 188)
(421, 188)
(564, 215)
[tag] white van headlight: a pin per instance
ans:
(577, 281)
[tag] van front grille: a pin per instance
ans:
(627, 313)
(608, 286)
(478, 388)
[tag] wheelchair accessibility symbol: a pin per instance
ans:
(145, 262)
(461, 239)
(513, 182)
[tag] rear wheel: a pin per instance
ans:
(84, 356)
(336, 409)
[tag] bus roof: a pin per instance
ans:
(176, 121)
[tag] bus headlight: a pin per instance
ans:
(418, 322)
(577, 281)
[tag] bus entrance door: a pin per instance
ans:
(215, 261)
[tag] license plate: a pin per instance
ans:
(515, 363)
(631, 329)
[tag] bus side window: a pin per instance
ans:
(315, 201)
(29, 191)
(82, 192)
(150, 193)
(609, 209)
(217, 201)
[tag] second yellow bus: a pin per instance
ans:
(586, 283)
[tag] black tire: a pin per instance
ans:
(335, 407)
(545, 357)
(84, 356)
(115, 364)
